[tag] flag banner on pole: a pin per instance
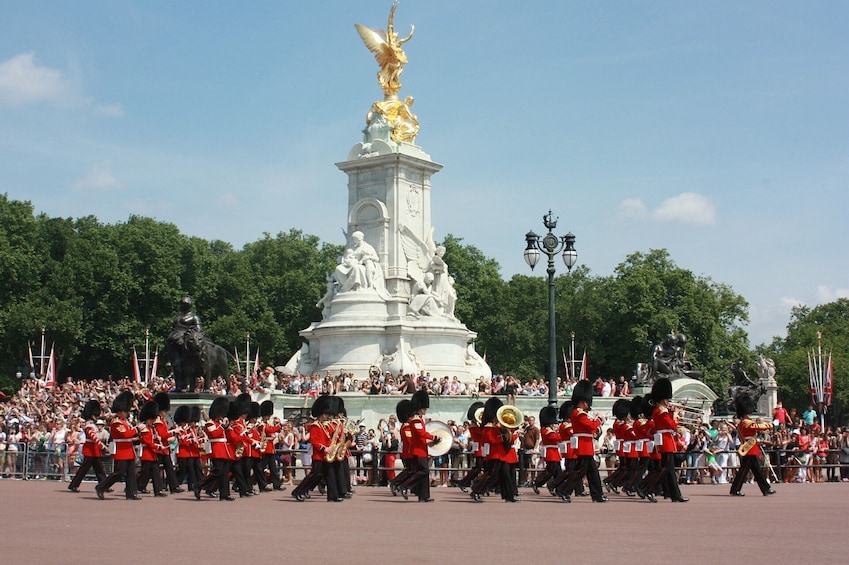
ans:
(584, 375)
(29, 351)
(812, 378)
(829, 379)
(50, 376)
(155, 365)
(236, 357)
(256, 362)
(565, 363)
(136, 371)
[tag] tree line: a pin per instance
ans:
(97, 287)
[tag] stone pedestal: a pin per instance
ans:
(389, 191)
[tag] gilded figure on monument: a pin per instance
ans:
(387, 50)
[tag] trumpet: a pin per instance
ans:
(509, 417)
(687, 415)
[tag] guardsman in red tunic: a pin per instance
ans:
(584, 428)
(420, 438)
(269, 429)
(255, 475)
(161, 426)
(237, 435)
(322, 432)
(403, 410)
(124, 453)
(509, 435)
(220, 452)
(186, 443)
(665, 429)
(152, 447)
(621, 427)
(492, 449)
(569, 455)
(751, 460)
(92, 448)
(549, 440)
(474, 416)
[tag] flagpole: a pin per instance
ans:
(247, 353)
(572, 356)
(41, 357)
(146, 356)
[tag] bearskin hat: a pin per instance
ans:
(194, 414)
(583, 391)
(322, 405)
(547, 416)
(123, 402)
(266, 408)
(404, 409)
(621, 409)
(744, 405)
(91, 410)
(636, 407)
(242, 405)
(255, 411)
(661, 389)
(566, 409)
(470, 415)
(149, 411)
(338, 405)
(648, 405)
(490, 410)
(220, 408)
(182, 414)
(163, 400)
(421, 399)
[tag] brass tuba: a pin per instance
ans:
(509, 416)
(746, 446)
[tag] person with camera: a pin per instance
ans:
(529, 435)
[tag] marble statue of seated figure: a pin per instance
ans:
(350, 274)
(424, 302)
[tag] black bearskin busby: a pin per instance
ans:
(182, 414)
(473, 409)
(242, 405)
(404, 409)
(636, 407)
(661, 390)
(566, 410)
(490, 410)
(163, 400)
(255, 410)
(266, 408)
(123, 402)
(194, 414)
(621, 409)
(91, 410)
(421, 400)
(220, 408)
(744, 405)
(149, 411)
(547, 416)
(320, 406)
(583, 391)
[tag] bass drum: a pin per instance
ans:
(446, 438)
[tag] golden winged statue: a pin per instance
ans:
(387, 50)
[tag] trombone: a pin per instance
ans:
(687, 415)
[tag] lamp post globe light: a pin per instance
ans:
(551, 245)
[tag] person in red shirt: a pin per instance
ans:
(152, 448)
(124, 454)
(220, 450)
(492, 450)
(551, 455)
(508, 435)
(585, 427)
(569, 454)
(420, 438)
(161, 425)
(92, 448)
(638, 441)
(237, 436)
(749, 430)
(403, 410)
(188, 446)
(474, 416)
(621, 431)
(665, 429)
(321, 432)
(269, 429)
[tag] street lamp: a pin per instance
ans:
(551, 245)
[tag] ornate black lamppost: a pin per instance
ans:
(551, 245)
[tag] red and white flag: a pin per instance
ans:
(29, 351)
(238, 366)
(136, 371)
(155, 366)
(584, 375)
(50, 376)
(256, 362)
(829, 379)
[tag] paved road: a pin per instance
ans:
(45, 523)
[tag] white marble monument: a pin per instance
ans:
(390, 301)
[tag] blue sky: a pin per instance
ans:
(716, 130)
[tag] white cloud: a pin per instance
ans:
(687, 208)
(631, 208)
(827, 294)
(114, 110)
(24, 81)
(99, 177)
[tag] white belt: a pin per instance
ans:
(582, 435)
(121, 440)
(664, 431)
(221, 440)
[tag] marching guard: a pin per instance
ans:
(583, 442)
(123, 453)
(665, 429)
(749, 449)
(220, 450)
(151, 448)
(420, 438)
(549, 444)
(403, 410)
(268, 438)
(92, 448)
